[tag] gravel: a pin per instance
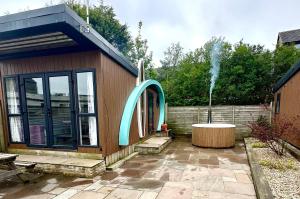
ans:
(285, 184)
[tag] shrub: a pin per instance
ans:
(259, 145)
(279, 165)
(280, 128)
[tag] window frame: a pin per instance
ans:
(278, 103)
(78, 115)
(8, 115)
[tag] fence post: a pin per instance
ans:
(233, 114)
(198, 115)
(166, 112)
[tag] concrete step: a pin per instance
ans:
(153, 145)
(56, 153)
(66, 166)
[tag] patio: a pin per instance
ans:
(180, 171)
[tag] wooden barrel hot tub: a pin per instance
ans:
(213, 135)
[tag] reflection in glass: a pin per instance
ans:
(61, 110)
(85, 84)
(35, 108)
(88, 131)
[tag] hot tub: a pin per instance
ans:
(213, 135)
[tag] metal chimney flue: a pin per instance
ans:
(87, 15)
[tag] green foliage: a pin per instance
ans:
(279, 164)
(103, 20)
(247, 74)
(284, 57)
(259, 145)
(172, 56)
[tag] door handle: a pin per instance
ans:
(49, 111)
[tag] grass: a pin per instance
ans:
(282, 165)
(259, 145)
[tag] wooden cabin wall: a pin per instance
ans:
(117, 85)
(290, 103)
(114, 85)
(52, 63)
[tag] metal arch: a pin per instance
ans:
(130, 106)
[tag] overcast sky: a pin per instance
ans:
(193, 22)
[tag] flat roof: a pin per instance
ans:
(52, 30)
(285, 78)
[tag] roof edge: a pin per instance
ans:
(71, 18)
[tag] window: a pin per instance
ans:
(277, 105)
(86, 109)
(14, 109)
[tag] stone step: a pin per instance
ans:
(119, 163)
(66, 166)
(153, 145)
(56, 153)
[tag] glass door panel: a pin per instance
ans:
(61, 111)
(35, 102)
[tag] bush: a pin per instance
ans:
(279, 165)
(272, 134)
(259, 145)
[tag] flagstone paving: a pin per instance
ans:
(180, 171)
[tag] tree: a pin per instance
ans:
(172, 56)
(103, 20)
(284, 57)
(140, 51)
(246, 74)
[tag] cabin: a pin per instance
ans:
(64, 88)
(287, 99)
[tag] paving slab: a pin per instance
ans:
(176, 172)
(124, 194)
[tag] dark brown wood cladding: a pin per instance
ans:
(114, 85)
(117, 85)
(290, 104)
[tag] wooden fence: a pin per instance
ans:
(180, 119)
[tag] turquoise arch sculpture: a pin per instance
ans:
(131, 104)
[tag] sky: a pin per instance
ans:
(194, 22)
